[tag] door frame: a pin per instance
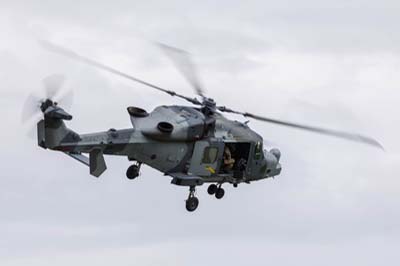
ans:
(206, 169)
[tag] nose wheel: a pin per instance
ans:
(192, 202)
(133, 171)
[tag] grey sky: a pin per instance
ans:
(331, 64)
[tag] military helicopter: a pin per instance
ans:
(193, 144)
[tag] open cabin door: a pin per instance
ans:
(207, 158)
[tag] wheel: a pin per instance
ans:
(192, 204)
(212, 189)
(220, 193)
(132, 172)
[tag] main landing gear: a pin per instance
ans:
(218, 191)
(192, 202)
(133, 171)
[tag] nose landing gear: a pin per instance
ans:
(192, 202)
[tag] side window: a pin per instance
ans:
(210, 155)
(258, 151)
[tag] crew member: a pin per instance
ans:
(229, 162)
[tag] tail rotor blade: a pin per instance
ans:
(66, 99)
(52, 85)
(31, 114)
(30, 108)
(31, 127)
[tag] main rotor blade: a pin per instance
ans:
(71, 54)
(324, 131)
(185, 65)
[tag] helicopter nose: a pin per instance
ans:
(272, 158)
(276, 153)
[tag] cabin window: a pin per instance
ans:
(210, 155)
(258, 151)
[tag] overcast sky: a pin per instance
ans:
(330, 64)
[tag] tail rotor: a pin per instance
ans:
(51, 96)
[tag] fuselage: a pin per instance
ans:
(181, 139)
(194, 138)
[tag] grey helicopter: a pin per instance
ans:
(193, 145)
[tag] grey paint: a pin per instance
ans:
(165, 152)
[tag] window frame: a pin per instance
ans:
(258, 151)
(206, 155)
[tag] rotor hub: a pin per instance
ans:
(46, 104)
(209, 106)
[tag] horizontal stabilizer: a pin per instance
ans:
(95, 161)
(79, 157)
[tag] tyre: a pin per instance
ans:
(132, 172)
(212, 189)
(219, 194)
(192, 204)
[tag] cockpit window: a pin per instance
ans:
(210, 155)
(258, 153)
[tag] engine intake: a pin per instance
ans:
(137, 112)
(165, 127)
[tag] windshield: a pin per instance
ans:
(258, 151)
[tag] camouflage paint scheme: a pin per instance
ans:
(178, 153)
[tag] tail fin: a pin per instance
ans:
(52, 130)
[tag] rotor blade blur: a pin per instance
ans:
(324, 131)
(182, 61)
(66, 99)
(31, 128)
(30, 108)
(53, 85)
(68, 53)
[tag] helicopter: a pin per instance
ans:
(193, 145)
